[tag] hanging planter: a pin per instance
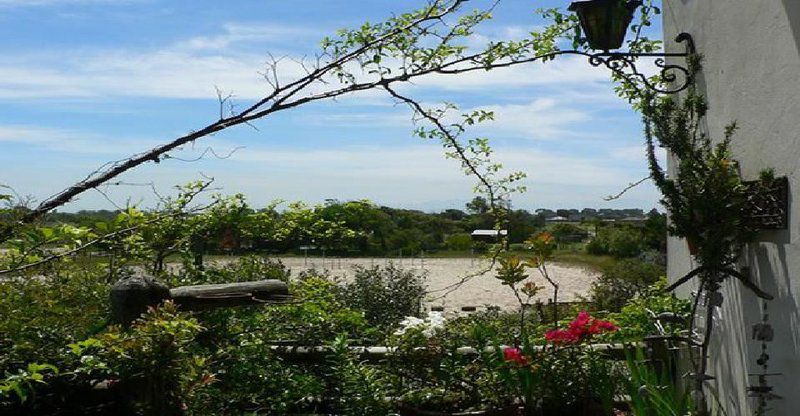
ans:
(605, 22)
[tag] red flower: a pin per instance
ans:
(561, 337)
(583, 327)
(512, 354)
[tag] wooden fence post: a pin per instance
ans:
(131, 296)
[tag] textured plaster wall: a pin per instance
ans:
(751, 74)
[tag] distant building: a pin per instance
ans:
(557, 218)
(488, 235)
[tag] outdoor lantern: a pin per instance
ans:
(605, 22)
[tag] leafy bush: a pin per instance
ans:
(385, 295)
(356, 388)
(242, 269)
(20, 386)
(565, 233)
(458, 242)
(429, 373)
(250, 379)
(317, 318)
(617, 241)
(622, 282)
(153, 359)
(638, 317)
(39, 316)
(652, 392)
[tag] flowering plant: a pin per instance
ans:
(430, 374)
(553, 380)
(514, 355)
(581, 329)
(428, 326)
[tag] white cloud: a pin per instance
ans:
(166, 73)
(191, 69)
(236, 33)
(543, 118)
(416, 175)
(637, 154)
(72, 141)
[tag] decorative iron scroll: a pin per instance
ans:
(768, 204)
(624, 64)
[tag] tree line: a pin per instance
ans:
(357, 227)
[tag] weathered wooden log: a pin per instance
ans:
(201, 297)
(130, 297)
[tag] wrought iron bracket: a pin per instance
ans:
(768, 204)
(676, 78)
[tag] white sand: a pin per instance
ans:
(479, 291)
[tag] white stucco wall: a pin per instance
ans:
(751, 74)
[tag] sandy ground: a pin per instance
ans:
(480, 291)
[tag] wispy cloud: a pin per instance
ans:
(165, 73)
(72, 141)
(192, 68)
(543, 118)
(239, 33)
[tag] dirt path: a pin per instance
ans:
(480, 291)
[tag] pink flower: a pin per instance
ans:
(512, 354)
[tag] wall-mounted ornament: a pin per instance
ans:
(605, 24)
(768, 202)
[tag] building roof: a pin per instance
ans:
(488, 233)
(556, 218)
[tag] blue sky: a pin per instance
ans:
(83, 82)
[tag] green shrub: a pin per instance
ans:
(155, 358)
(638, 317)
(242, 269)
(39, 316)
(317, 318)
(385, 295)
(355, 388)
(622, 282)
(568, 233)
(617, 241)
(653, 392)
(252, 379)
(458, 242)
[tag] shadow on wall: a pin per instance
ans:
(793, 13)
(773, 274)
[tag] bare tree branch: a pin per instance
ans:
(626, 189)
(287, 96)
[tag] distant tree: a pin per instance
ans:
(563, 213)
(458, 242)
(655, 231)
(478, 206)
(568, 233)
(453, 214)
(522, 224)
